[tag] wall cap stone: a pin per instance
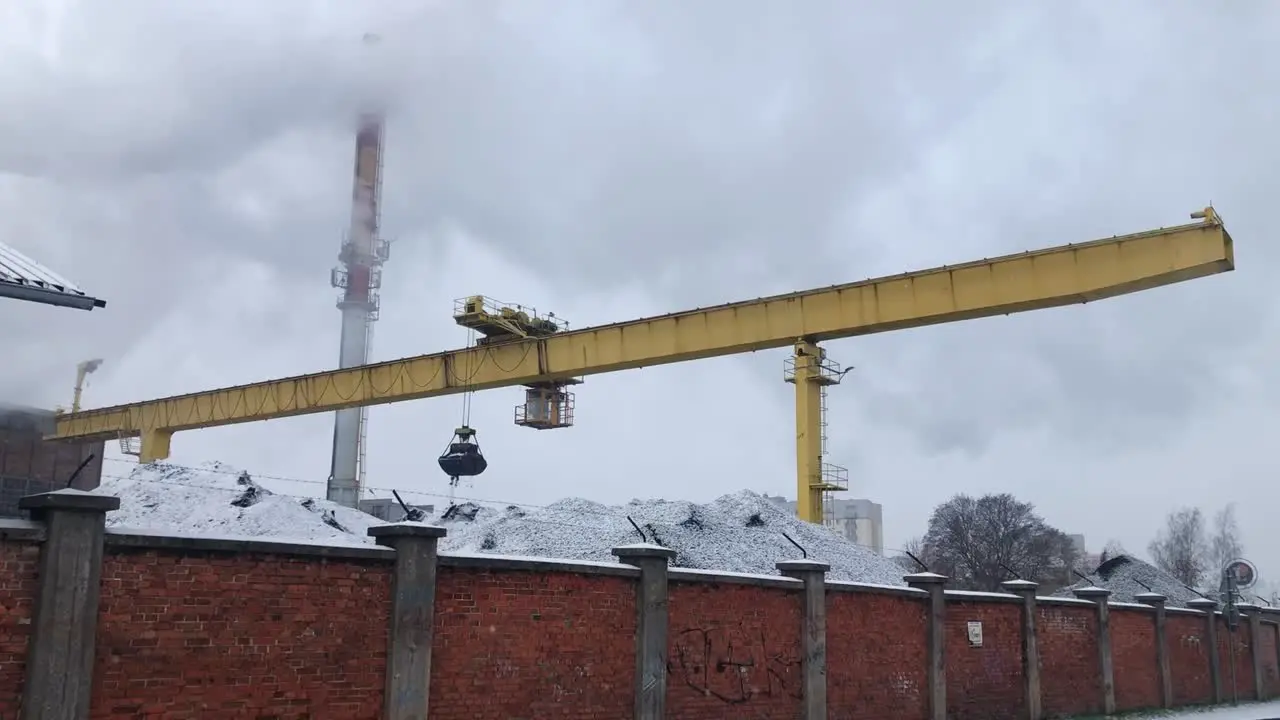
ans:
(643, 550)
(406, 529)
(71, 500)
(150, 540)
(980, 596)
(1202, 604)
(875, 589)
(796, 567)
(1020, 586)
(713, 577)
(1091, 592)
(1061, 600)
(925, 578)
(1151, 598)
(517, 563)
(22, 530)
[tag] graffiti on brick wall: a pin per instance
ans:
(734, 665)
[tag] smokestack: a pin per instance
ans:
(358, 277)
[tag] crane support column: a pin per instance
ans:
(154, 445)
(816, 480)
(807, 378)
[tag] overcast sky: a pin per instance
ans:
(191, 163)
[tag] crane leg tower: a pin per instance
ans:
(816, 481)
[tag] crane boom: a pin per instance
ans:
(1013, 283)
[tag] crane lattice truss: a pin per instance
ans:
(1014, 283)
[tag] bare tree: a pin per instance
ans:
(1112, 549)
(1180, 548)
(981, 542)
(1225, 545)
(914, 546)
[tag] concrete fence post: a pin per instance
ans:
(1157, 601)
(64, 621)
(814, 633)
(936, 673)
(651, 627)
(1210, 610)
(413, 609)
(1253, 614)
(1026, 590)
(1098, 596)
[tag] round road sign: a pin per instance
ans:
(1244, 573)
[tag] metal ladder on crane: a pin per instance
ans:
(131, 446)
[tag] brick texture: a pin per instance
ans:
(220, 635)
(17, 593)
(733, 651)
(984, 682)
(1268, 645)
(1133, 648)
(1189, 659)
(532, 646)
(1070, 682)
(1242, 681)
(876, 656)
(216, 636)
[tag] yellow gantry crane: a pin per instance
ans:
(519, 348)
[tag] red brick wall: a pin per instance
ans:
(17, 594)
(876, 658)
(199, 634)
(216, 635)
(1243, 661)
(1269, 659)
(985, 682)
(1133, 658)
(1069, 676)
(532, 645)
(733, 651)
(1189, 659)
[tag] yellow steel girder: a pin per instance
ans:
(1013, 283)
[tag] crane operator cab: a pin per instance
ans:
(462, 458)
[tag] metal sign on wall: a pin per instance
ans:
(975, 634)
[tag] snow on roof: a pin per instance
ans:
(741, 533)
(1129, 578)
(25, 279)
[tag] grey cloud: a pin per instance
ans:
(700, 152)
(602, 142)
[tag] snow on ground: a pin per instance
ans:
(1127, 577)
(742, 532)
(1244, 711)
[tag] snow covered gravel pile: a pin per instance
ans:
(741, 532)
(216, 500)
(1127, 577)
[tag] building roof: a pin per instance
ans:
(25, 279)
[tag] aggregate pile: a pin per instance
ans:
(741, 532)
(1127, 577)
